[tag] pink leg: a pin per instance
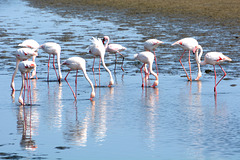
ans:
(69, 85)
(183, 66)
(76, 84)
(93, 64)
(55, 68)
(99, 69)
(215, 77)
(215, 88)
(122, 61)
(190, 65)
(155, 61)
(48, 67)
(142, 75)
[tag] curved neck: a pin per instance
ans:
(59, 65)
(110, 74)
(199, 55)
(106, 45)
(152, 72)
(88, 79)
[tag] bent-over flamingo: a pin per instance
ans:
(189, 44)
(78, 63)
(147, 57)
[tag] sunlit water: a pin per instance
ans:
(176, 120)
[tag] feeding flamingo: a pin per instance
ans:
(78, 63)
(30, 43)
(190, 44)
(98, 49)
(22, 54)
(25, 67)
(147, 57)
(114, 48)
(214, 58)
(151, 45)
(53, 49)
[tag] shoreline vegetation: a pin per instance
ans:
(217, 10)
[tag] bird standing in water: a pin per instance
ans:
(114, 48)
(25, 67)
(22, 54)
(53, 49)
(78, 63)
(151, 45)
(189, 44)
(98, 49)
(214, 58)
(30, 43)
(147, 58)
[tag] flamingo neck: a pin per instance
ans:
(110, 74)
(90, 82)
(106, 45)
(154, 74)
(20, 99)
(59, 67)
(199, 55)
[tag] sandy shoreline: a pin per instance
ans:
(228, 11)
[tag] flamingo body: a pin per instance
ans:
(53, 49)
(189, 44)
(78, 63)
(147, 58)
(98, 49)
(25, 67)
(214, 58)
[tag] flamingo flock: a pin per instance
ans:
(98, 48)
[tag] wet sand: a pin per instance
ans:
(225, 12)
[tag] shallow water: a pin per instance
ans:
(176, 120)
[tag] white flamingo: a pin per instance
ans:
(147, 58)
(189, 44)
(114, 48)
(53, 49)
(151, 45)
(30, 43)
(78, 63)
(98, 49)
(22, 54)
(214, 58)
(25, 67)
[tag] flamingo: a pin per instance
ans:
(98, 49)
(25, 67)
(30, 43)
(189, 44)
(147, 57)
(53, 49)
(151, 45)
(114, 48)
(22, 54)
(78, 63)
(214, 58)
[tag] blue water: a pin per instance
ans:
(177, 120)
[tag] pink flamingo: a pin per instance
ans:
(30, 43)
(78, 63)
(98, 49)
(189, 44)
(214, 58)
(147, 57)
(22, 54)
(151, 45)
(114, 48)
(53, 49)
(25, 67)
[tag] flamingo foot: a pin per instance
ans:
(142, 85)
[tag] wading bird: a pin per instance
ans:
(30, 43)
(214, 58)
(98, 49)
(114, 48)
(78, 63)
(189, 44)
(147, 58)
(53, 49)
(151, 45)
(22, 54)
(25, 67)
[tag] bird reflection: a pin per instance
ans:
(27, 125)
(151, 100)
(194, 96)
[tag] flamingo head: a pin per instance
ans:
(92, 95)
(155, 84)
(111, 83)
(196, 48)
(105, 38)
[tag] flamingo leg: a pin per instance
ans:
(14, 74)
(122, 61)
(221, 78)
(190, 65)
(48, 67)
(183, 66)
(93, 64)
(115, 63)
(34, 72)
(55, 67)
(142, 75)
(215, 77)
(76, 84)
(69, 85)
(30, 93)
(99, 69)
(155, 57)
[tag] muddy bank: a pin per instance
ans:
(226, 12)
